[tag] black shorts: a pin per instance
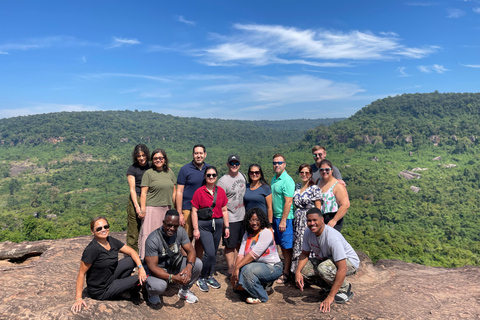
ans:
(236, 235)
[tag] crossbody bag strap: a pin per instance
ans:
(164, 243)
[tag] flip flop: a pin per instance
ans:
(284, 278)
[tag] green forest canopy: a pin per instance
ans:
(47, 168)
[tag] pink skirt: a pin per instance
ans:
(153, 220)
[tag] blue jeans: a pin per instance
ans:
(255, 275)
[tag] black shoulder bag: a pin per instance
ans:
(175, 259)
(207, 213)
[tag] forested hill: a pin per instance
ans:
(112, 127)
(412, 168)
(444, 118)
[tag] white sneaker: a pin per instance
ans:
(187, 295)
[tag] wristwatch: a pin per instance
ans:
(140, 266)
(189, 262)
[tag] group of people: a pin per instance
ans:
(251, 216)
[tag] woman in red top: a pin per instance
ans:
(209, 230)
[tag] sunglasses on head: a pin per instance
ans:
(278, 163)
(211, 175)
(327, 170)
(234, 164)
(254, 173)
(106, 227)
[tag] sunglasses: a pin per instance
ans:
(304, 173)
(254, 173)
(170, 226)
(327, 170)
(234, 164)
(211, 175)
(106, 227)
(316, 155)
(158, 159)
(278, 163)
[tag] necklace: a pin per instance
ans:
(255, 187)
(106, 246)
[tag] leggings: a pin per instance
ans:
(210, 235)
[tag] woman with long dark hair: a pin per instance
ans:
(258, 193)
(258, 263)
(307, 195)
(334, 196)
(107, 278)
(140, 156)
(157, 197)
(208, 225)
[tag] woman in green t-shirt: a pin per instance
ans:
(157, 196)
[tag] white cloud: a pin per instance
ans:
(99, 76)
(402, 72)
(183, 20)
(46, 42)
(2, 52)
(269, 92)
(84, 59)
(155, 94)
(273, 44)
(471, 65)
(421, 4)
(120, 42)
(476, 10)
(455, 13)
(434, 68)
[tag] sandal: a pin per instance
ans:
(284, 278)
(251, 300)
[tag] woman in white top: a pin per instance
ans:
(335, 200)
(257, 264)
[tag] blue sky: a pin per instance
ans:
(232, 59)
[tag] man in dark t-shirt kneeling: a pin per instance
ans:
(159, 263)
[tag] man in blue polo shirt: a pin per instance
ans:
(283, 188)
(189, 179)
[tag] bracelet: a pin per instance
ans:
(190, 262)
(227, 227)
(78, 299)
(170, 278)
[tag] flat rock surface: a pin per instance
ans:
(43, 287)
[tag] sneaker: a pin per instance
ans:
(187, 295)
(251, 300)
(343, 297)
(202, 284)
(212, 282)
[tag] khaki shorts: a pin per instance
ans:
(187, 215)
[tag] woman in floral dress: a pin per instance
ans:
(307, 195)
